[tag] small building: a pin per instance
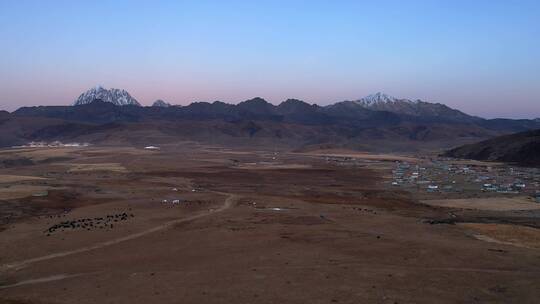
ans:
(432, 188)
(519, 185)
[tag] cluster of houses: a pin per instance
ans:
(173, 201)
(443, 176)
(419, 176)
(176, 201)
(512, 188)
(53, 144)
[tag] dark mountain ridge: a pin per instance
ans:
(521, 148)
(292, 121)
(292, 110)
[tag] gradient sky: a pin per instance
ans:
(482, 57)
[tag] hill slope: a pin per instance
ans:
(521, 148)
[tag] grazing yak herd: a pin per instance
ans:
(106, 222)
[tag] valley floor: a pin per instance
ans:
(199, 224)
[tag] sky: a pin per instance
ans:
(482, 57)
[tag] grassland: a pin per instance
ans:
(200, 224)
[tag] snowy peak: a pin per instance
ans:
(383, 102)
(380, 98)
(115, 96)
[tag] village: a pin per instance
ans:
(429, 177)
(441, 175)
(53, 144)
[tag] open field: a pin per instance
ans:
(272, 166)
(114, 167)
(39, 154)
(362, 155)
(490, 203)
(199, 224)
(506, 234)
(17, 178)
(21, 191)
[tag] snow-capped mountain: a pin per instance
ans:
(161, 103)
(384, 102)
(115, 96)
(380, 98)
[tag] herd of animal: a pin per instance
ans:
(106, 222)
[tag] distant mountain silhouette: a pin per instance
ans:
(161, 103)
(394, 124)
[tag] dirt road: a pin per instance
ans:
(229, 202)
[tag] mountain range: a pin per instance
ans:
(375, 102)
(375, 122)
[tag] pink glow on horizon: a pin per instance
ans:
(147, 93)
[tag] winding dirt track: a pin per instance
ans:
(21, 264)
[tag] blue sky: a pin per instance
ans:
(482, 57)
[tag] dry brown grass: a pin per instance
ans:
(362, 155)
(38, 154)
(20, 191)
(6, 178)
(271, 166)
(519, 236)
(113, 167)
(492, 203)
(339, 230)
